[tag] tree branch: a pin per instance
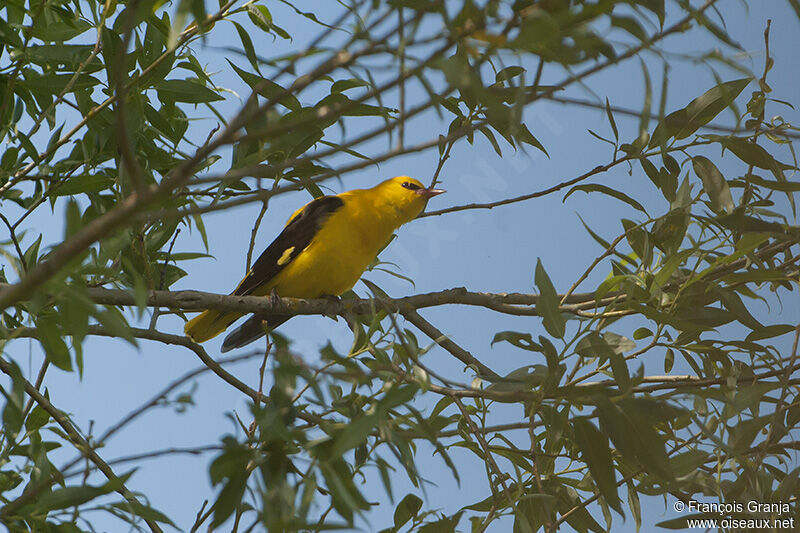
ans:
(77, 440)
(509, 303)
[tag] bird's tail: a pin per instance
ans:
(209, 324)
(252, 329)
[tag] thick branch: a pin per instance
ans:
(509, 303)
(442, 340)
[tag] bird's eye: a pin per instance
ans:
(411, 186)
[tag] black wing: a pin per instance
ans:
(292, 240)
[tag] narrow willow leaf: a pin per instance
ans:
(187, 91)
(611, 120)
(547, 304)
(268, 89)
(597, 455)
(714, 184)
(700, 111)
(594, 187)
(769, 332)
(406, 510)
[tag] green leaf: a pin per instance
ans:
(407, 509)
(31, 255)
(36, 419)
(84, 184)
(685, 463)
(700, 111)
(12, 412)
(52, 341)
(230, 468)
(736, 306)
(73, 496)
(593, 187)
(268, 89)
(768, 332)
(345, 496)
(342, 85)
(630, 25)
(783, 186)
(634, 505)
(423, 6)
(611, 120)
(715, 30)
(548, 302)
(9, 34)
(247, 44)
(114, 321)
(750, 152)
(669, 360)
(538, 32)
(509, 73)
(744, 223)
(609, 346)
(9, 480)
(62, 56)
(525, 136)
(54, 25)
(601, 241)
(68, 497)
(714, 184)
(630, 428)
(520, 340)
(639, 240)
(669, 231)
(492, 139)
(527, 515)
(522, 379)
(143, 511)
(757, 155)
(260, 16)
(619, 367)
(192, 92)
(657, 7)
(56, 83)
(595, 345)
(597, 456)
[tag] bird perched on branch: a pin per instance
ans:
(323, 250)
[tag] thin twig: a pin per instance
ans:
(254, 232)
(442, 340)
(479, 436)
(13, 236)
(77, 440)
(163, 280)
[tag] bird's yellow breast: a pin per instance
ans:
(338, 254)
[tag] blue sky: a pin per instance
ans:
(487, 250)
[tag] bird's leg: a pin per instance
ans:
(274, 298)
(335, 299)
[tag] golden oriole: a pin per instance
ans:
(323, 250)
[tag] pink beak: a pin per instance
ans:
(430, 193)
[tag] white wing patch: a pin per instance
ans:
(286, 256)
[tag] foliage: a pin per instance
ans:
(99, 111)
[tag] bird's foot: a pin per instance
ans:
(335, 299)
(274, 298)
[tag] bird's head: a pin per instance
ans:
(407, 196)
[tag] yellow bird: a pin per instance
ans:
(323, 250)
